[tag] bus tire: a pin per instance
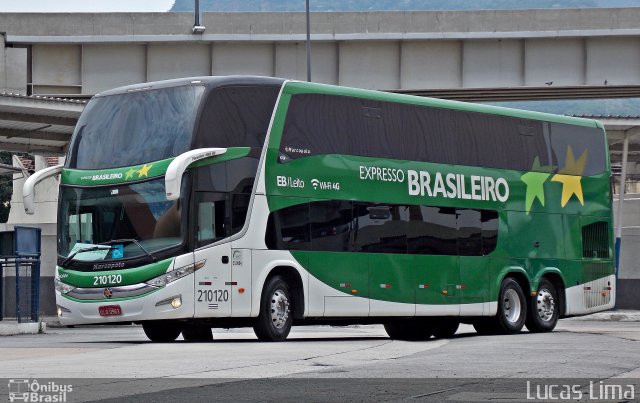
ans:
(275, 317)
(445, 328)
(161, 331)
(486, 326)
(543, 309)
(408, 330)
(197, 333)
(512, 307)
(512, 311)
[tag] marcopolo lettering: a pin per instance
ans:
(457, 186)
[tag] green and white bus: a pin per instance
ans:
(239, 201)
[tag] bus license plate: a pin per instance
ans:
(110, 310)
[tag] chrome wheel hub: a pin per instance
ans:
(279, 309)
(511, 306)
(545, 304)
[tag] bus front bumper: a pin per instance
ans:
(105, 305)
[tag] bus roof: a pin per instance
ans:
(301, 87)
(207, 81)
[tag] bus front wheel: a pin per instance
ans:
(275, 319)
(543, 309)
(161, 331)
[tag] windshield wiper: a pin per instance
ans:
(82, 250)
(130, 240)
(108, 245)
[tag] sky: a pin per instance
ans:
(86, 6)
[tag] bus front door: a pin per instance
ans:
(213, 281)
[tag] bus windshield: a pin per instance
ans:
(135, 128)
(138, 214)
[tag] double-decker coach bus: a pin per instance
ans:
(209, 202)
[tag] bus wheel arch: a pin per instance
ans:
(281, 301)
(293, 279)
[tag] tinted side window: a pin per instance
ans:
(241, 174)
(380, 228)
(236, 117)
(587, 146)
(432, 230)
(469, 232)
(318, 124)
(212, 217)
(331, 224)
(235, 179)
(489, 231)
(323, 124)
(289, 229)
(342, 226)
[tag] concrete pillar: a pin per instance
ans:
(623, 180)
(3, 67)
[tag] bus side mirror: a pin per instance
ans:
(173, 177)
(28, 189)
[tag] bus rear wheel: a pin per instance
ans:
(486, 326)
(512, 307)
(275, 318)
(161, 331)
(445, 328)
(512, 311)
(408, 330)
(543, 309)
(197, 333)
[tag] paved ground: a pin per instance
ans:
(322, 363)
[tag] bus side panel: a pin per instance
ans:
(436, 278)
(474, 284)
(241, 265)
(345, 272)
(392, 279)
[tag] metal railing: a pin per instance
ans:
(20, 262)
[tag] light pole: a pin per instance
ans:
(308, 44)
(197, 28)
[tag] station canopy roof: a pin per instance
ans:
(36, 124)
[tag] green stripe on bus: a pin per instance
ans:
(131, 276)
(115, 175)
(136, 173)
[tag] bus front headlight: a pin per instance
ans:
(175, 274)
(63, 288)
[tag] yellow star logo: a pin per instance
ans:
(129, 174)
(144, 171)
(570, 176)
